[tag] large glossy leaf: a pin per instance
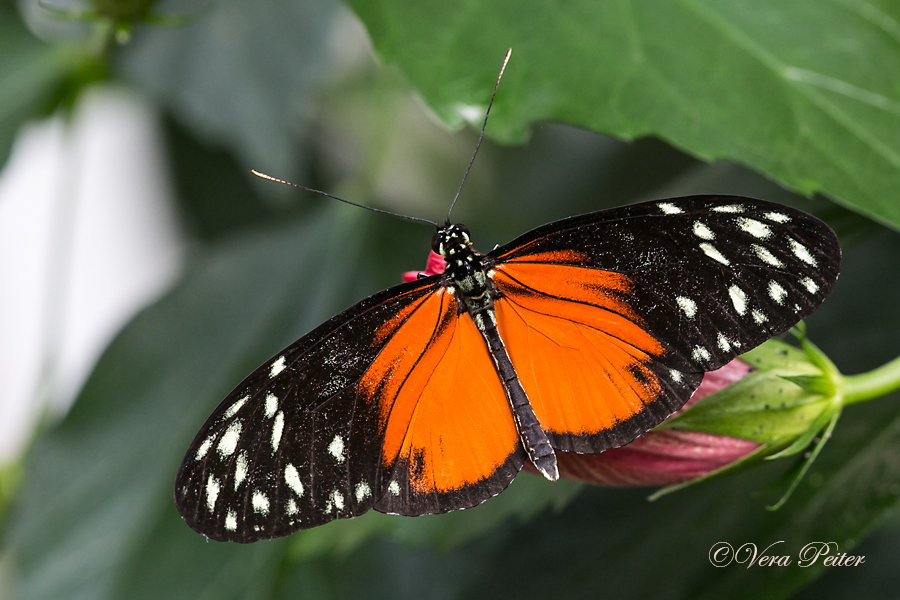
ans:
(803, 91)
(243, 77)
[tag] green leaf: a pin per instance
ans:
(825, 418)
(244, 78)
(30, 73)
(805, 91)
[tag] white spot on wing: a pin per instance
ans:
(755, 228)
(766, 256)
(292, 479)
(394, 488)
(729, 208)
(277, 367)
(714, 254)
(362, 491)
(776, 292)
(277, 429)
(203, 449)
(811, 286)
(739, 299)
(336, 448)
(338, 500)
(777, 217)
(676, 375)
(669, 208)
(700, 354)
(271, 405)
(231, 521)
(688, 306)
(232, 410)
(703, 232)
(260, 503)
(759, 317)
(240, 470)
(723, 342)
(230, 439)
(291, 508)
(801, 252)
(212, 492)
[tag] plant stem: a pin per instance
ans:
(875, 383)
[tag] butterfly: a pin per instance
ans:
(431, 395)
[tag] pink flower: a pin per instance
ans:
(434, 266)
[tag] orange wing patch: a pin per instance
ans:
(577, 346)
(443, 411)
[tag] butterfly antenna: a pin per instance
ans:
(378, 210)
(480, 137)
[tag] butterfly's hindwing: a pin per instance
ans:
(595, 376)
(450, 435)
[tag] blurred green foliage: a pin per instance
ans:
(804, 92)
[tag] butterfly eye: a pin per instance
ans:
(436, 242)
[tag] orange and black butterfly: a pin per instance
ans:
(430, 396)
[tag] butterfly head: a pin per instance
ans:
(451, 242)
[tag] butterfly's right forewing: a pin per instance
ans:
(613, 317)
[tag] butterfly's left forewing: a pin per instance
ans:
(611, 318)
(291, 447)
(393, 404)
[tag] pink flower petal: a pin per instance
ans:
(434, 266)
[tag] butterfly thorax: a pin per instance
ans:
(465, 268)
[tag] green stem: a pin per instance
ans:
(875, 383)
